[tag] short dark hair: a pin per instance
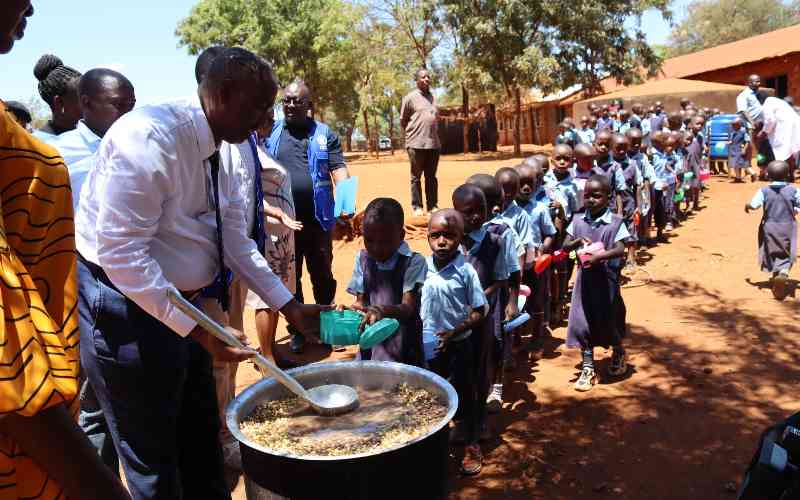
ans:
(90, 83)
(239, 65)
(603, 181)
(384, 211)
(418, 71)
(506, 171)
(468, 191)
(488, 184)
(204, 61)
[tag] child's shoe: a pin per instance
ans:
(494, 403)
(473, 460)
(587, 380)
(669, 227)
(619, 364)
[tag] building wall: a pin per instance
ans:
(539, 125)
(788, 65)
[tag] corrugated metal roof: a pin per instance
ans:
(773, 44)
(666, 86)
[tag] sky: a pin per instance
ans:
(138, 39)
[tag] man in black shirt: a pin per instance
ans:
(312, 153)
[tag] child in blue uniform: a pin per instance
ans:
(487, 254)
(585, 133)
(648, 176)
(738, 150)
(387, 279)
(605, 166)
(453, 304)
(594, 315)
(537, 204)
(664, 164)
(514, 251)
(777, 233)
(620, 145)
(512, 214)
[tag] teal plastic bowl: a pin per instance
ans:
(340, 328)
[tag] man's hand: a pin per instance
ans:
(218, 349)
(304, 317)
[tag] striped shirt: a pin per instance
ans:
(39, 344)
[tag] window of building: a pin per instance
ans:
(780, 84)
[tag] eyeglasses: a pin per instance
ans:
(295, 101)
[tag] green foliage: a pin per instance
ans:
(591, 41)
(714, 22)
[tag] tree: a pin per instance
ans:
(714, 22)
(591, 40)
(504, 39)
(284, 32)
(419, 23)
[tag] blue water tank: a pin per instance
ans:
(718, 130)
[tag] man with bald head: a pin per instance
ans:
(312, 153)
(418, 117)
(747, 103)
(104, 96)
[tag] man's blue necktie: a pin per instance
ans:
(221, 284)
(258, 227)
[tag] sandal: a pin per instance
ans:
(473, 460)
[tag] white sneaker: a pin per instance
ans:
(494, 403)
(587, 380)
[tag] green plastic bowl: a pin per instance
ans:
(378, 332)
(678, 195)
(340, 328)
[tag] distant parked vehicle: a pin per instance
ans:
(384, 143)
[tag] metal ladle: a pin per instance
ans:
(328, 400)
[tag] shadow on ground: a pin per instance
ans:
(688, 410)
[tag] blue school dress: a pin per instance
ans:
(736, 156)
(777, 233)
(597, 313)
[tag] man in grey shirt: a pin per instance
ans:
(418, 115)
(747, 103)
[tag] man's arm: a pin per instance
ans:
(336, 163)
(130, 200)
(405, 112)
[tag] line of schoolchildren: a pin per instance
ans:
(453, 304)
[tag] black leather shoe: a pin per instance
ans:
(297, 344)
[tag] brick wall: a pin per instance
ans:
(788, 65)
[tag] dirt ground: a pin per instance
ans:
(713, 359)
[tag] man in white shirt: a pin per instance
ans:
(782, 127)
(104, 96)
(158, 213)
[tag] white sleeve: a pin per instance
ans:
(129, 198)
(241, 251)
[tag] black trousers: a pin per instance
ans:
(424, 162)
(456, 363)
(314, 246)
(157, 393)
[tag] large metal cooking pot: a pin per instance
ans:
(416, 470)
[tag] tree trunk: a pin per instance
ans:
(377, 137)
(517, 122)
(348, 140)
(366, 131)
(465, 111)
(391, 129)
